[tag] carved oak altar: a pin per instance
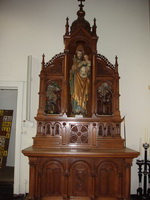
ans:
(78, 152)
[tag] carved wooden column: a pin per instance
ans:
(93, 85)
(42, 88)
(127, 179)
(65, 86)
(32, 186)
(116, 89)
(66, 174)
(93, 175)
(94, 132)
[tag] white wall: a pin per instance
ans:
(36, 27)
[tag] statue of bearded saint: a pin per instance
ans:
(79, 83)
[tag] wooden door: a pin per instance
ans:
(52, 179)
(80, 180)
(108, 180)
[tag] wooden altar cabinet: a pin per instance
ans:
(78, 151)
(79, 174)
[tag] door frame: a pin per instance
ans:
(19, 116)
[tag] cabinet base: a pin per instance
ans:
(75, 198)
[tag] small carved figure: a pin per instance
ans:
(53, 99)
(104, 100)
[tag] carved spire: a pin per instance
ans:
(80, 22)
(94, 27)
(43, 61)
(67, 26)
(116, 63)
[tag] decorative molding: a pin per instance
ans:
(99, 56)
(51, 62)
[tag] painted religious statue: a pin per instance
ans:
(79, 83)
(53, 99)
(104, 99)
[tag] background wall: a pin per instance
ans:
(36, 27)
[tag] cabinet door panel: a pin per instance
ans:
(108, 180)
(80, 180)
(52, 179)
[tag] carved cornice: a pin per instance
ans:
(51, 62)
(99, 56)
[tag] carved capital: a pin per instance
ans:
(32, 161)
(93, 174)
(66, 173)
(128, 163)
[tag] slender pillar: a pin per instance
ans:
(32, 186)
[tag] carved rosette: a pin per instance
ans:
(79, 134)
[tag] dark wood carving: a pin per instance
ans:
(109, 177)
(53, 98)
(104, 99)
(52, 179)
(80, 173)
(55, 65)
(79, 133)
(78, 151)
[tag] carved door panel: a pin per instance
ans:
(80, 180)
(52, 179)
(108, 180)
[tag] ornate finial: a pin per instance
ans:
(80, 21)
(81, 12)
(94, 21)
(81, 2)
(116, 63)
(43, 61)
(67, 26)
(81, 5)
(116, 58)
(94, 28)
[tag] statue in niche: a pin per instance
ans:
(79, 83)
(104, 99)
(53, 99)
